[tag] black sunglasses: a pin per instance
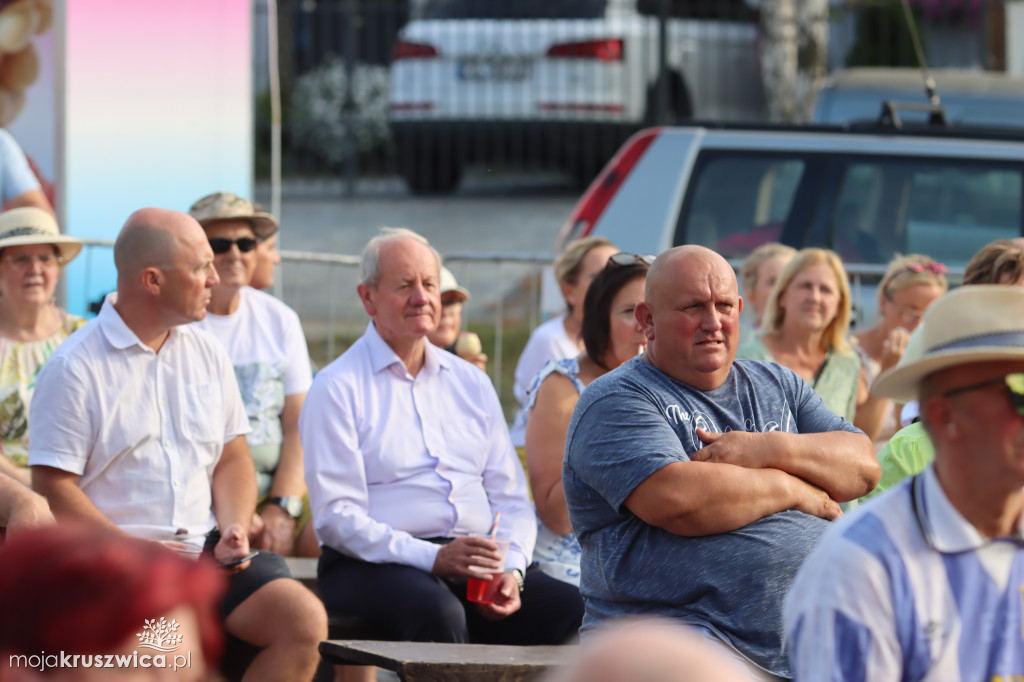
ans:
(622, 259)
(1014, 382)
(221, 245)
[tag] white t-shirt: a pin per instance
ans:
(143, 430)
(267, 347)
(547, 342)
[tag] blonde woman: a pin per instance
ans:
(805, 328)
(559, 337)
(758, 274)
(910, 285)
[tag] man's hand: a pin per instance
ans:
(278, 530)
(506, 599)
(30, 510)
(741, 448)
(814, 501)
(232, 546)
(454, 559)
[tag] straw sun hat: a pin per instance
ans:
(977, 323)
(29, 225)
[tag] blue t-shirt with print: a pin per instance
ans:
(630, 423)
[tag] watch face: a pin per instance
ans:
(291, 505)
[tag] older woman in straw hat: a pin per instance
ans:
(32, 253)
(265, 341)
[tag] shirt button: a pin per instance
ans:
(177, 484)
(167, 443)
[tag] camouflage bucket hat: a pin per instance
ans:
(228, 206)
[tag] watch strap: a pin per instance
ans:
(520, 580)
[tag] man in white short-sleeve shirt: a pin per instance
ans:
(407, 454)
(141, 428)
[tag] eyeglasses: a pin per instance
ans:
(221, 245)
(23, 261)
(622, 258)
(906, 313)
(1014, 382)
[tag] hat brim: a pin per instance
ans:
(902, 384)
(69, 247)
(264, 225)
(461, 292)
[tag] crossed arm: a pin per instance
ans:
(740, 477)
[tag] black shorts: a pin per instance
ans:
(263, 568)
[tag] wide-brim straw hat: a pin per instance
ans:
(977, 323)
(448, 284)
(30, 225)
(228, 206)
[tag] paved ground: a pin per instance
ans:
(519, 214)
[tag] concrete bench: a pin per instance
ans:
(437, 662)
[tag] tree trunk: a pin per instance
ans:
(794, 49)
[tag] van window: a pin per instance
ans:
(945, 209)
(739, 202)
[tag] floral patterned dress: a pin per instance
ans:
(20, 362)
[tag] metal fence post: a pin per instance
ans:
(662, 92)
(351, 39)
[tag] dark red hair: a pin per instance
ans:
(79, 589)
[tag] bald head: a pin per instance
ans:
(152, 237)
(690, 316)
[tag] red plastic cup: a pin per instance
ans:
(483, 591)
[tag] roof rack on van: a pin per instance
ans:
(889, 118)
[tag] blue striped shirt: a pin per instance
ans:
(905, 588)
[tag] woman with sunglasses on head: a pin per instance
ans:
(32, 254)
(265, 341)
(611, 336)
(909, 286)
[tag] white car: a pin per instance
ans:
(560, 83)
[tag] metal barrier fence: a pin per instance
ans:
(321, 288)
(426, 87)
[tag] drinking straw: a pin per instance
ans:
(494, 526)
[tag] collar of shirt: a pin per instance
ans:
(117, 332)
(382, 356)
(945, 528)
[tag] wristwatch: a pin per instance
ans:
(520, 580)
(292, 505)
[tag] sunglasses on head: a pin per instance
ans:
(221, 245)
(1014, 382)
(622, 258)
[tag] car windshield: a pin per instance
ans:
(513, 9)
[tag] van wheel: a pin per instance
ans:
(679, 107)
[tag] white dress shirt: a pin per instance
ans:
(144, 430)
(391, 458)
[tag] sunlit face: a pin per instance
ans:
(406, 303)
(592, 263)
(989, 431)
(766, 276)
(904, 308)
(234, 267)
(811, 301)
(691, 320)
(451, 323)
(190, 277)
(29, 274)
(267, 258)
(626, 336)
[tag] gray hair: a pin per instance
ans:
(369, 263)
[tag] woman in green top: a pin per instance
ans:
(805, 328)
(32, 253)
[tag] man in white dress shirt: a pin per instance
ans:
(407, 453)
(139, 426)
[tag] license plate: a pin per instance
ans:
(499, 68)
